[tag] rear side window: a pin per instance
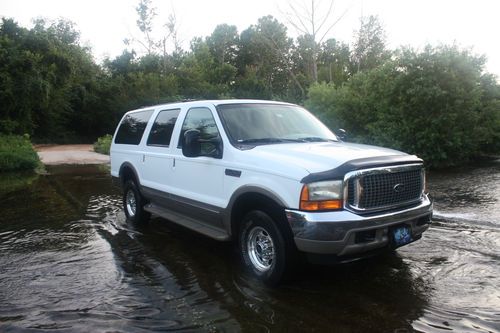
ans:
(162, 129)
(132, 127)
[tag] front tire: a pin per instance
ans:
(133, 204)
(262, 247)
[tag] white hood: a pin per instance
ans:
(297, 160)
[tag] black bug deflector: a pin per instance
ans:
(358, 164)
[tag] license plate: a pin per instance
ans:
(401, 235)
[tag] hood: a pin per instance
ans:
(299, 159)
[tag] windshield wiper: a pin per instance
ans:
(266, 140)
(314, 139)
(281, 140)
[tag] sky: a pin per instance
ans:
(104, 24)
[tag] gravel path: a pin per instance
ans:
(69, 154)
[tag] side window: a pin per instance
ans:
(162, 129)
(132, 127)
(202, 120)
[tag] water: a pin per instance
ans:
(70, 262)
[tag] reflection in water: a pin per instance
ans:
(70, 261)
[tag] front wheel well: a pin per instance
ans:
(247, 202)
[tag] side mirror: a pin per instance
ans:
(342, 134)
(191, 146)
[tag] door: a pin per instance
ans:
(158, 159)
(198, 181)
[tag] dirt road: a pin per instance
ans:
(69, 154)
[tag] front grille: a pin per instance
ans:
(384, 188)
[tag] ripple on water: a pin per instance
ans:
(462, 267)
(440, 318)
(72, 262)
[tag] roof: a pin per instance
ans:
(214, 102)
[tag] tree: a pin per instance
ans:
(265, 51)
(370, 44)
(172, 33)
(437, 103)
(49, 83)
(146, 13)
(314, 21)
(223, 44)
(20, 82)
(304, 52)
(334, 63)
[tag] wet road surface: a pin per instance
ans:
(70, 262)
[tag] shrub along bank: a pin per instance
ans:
(17, 153)
(103, 144)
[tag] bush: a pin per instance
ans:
(103, 144)
(17, 153)
(16, 181)
(437, 104)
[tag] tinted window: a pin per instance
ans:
(162, 129)
(202, 120)
(132, 128)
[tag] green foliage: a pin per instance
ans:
(334, 63)
(436, 103)
(223, 44)
(16, 180)
(48, 83)
(369, 47)
(17, 153)
(265, 55)
(103, 144)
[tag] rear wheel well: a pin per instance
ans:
(256, 201)
(126, 174)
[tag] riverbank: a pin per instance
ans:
(70, 154)
(17, 154)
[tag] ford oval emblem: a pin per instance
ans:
(398, 188)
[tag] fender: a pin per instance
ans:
(134, 171)
(227, 213)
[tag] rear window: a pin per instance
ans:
(132, 127)
(162, 129)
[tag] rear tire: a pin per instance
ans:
(263, 247)
(133, 204)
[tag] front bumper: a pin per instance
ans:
(344, 233)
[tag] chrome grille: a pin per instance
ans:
(384, 188)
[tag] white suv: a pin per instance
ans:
(270, 176)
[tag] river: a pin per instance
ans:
(69, 261)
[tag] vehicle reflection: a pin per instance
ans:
(378, 294)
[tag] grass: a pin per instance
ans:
(17, 153)
(18, 180)
(103, 144)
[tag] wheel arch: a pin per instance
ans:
(250, 198)
(127, 171)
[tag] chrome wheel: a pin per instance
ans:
(131, 203)
(260, 248)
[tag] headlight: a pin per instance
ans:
(325, 195)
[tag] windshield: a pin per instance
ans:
(256, 124)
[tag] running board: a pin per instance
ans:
(188, 222)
